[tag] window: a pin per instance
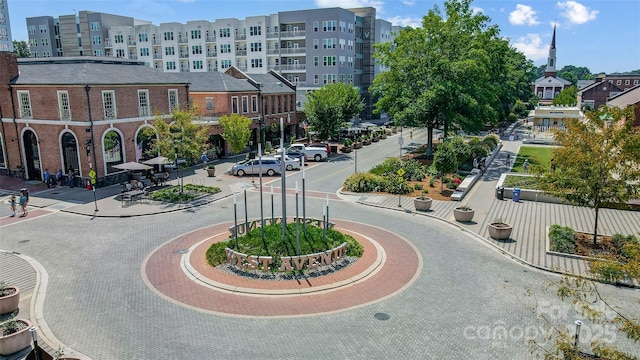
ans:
(197, 65)
(120, 53)
(245, 104)
(32, 29)
(169, 50)
(119, 39)
(196, 34)
(209, 104)
(69, 151)
(619, 82)
(635, 82)
(254, 103)
(95, 26)
(225, 48)
(315, 43)
(46, 54)
(25, 105)
(315, 26)
(144, 51)
(329, 25)
(112, 145)
(109, 104)
(343, 26)
(255, 30)
(315, 61)
(43, 28)
(143, 103)
(329, 60)
(33, 42)
(225, 64)
(225, 32)
(316, 78)
(329, 78)
(234, 104)
(329, 43)
(95, 40)
(168, 35)
(96, 53)
(627, 82)
(196, 49)
(45, 42)
(63, 105)
(171, 65)
(143, 37)
(173, 99)
(256, 63)
(256, 47)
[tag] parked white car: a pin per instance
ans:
(290, 163)
(269, 167)
(316, 153)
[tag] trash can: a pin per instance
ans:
(516, 194)
(500, 192)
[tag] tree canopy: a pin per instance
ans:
(331, 106)
(181, 136)
(454, 72)
(598, 162)
(21, 48)
(236, 130)
(568, 96)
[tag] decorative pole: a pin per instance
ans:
(235, 220)
(246, 214)
(304, 202)
(272, 217)
(324, 228)
(261, 203)
(327, 209)
(284, 185)
(297, 224)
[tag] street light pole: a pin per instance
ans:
(34, 335)
(284, 185)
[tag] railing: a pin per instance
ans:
(241, 37)
(210, 39)
(241, 52)
(273, 51)
(292, 34)
(272, 35)
(131, 43)
(182, 41)
(293, 50)
(293, 67)
(212, 53)
(157, 56)
(184, 55)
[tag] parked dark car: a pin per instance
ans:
(297, 155)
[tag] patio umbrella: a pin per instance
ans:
(158, 160)
(131, 165)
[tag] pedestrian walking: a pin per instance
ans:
(23, 204)
(71, 175)
(525, 166)
(508, 162)
(204, 160)
(13, 205)
(58, 177)
(47, 178)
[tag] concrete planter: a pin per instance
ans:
(211, 171)
(422, 204)
(463, 215)
(500, 231)
(10, 302)
(357, 145)
(17, 341)
(346, 149)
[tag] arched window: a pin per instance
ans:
(146, 135)
(69, 152)
(112, 146)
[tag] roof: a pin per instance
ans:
(627, 97)
(271, 84)
(543, 78)
(215, 81)
(596, 84)
(89, 70)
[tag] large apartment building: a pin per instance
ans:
(310, 48)
(6, 42)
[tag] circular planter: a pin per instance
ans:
(500, 231)
(10, 302)
(17, 341)
(462, 215)
(211, 172)
(422, 204)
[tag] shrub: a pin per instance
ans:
(390, 165)
(347, 142)
(562, 239)
(452, 186)
(395, 185)
(363, 182)
(418, 187)
(491, 139)
(620, 241)
(432, 181)
(461, 148)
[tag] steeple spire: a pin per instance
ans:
(551, 60)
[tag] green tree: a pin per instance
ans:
(179, 137)
(568, 96)
(330, 106)
(461, 149)
(236, 130)
(445, 161)
(454, 72)
(598, 162)
(21, 48)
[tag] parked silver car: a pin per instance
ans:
(269, 167)
(290, 163)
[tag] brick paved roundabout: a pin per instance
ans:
(389, 265)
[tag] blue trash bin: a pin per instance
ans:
(516, 194)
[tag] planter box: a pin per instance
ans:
(502, 232)
(375, 139)
(9, 303)
(357, 145)
(422, 204)
(346, 149)
(17, 341)
(211, 172)
(463, 215)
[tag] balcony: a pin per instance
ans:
(131, 43)
(133, 57)
(210, 39)
(273, 51)
(157, 56)
(292, 34)
(293, 67)
(184, 55)
(157, 42)
(272, 35)
(241, 52)
(241, 37)
(273, 67)
(293, 51)
(212, 53)
(107, 43)
(183, 40)
(242, 67)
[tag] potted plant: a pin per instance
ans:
(9, 298)
(211, 170)
(374, 137)
(358, 144)
(463, 213)
(383, 134)
(367, 139)
(14, 336)
(499, 229)
(422, 203)
(346, 148)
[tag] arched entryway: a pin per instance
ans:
(31, 156)
(70, 156)
(113, 150)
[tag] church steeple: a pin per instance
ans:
(551, 61)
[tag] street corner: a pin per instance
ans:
(31, 214)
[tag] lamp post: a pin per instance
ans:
(297, 224)
(235, 220)
(34, 335)
(261, 202)
(304, 205)
(284, 185)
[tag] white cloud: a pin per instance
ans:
(523, 14)
(409, 2)
(532, 47)
(577, 13)
(405, 21)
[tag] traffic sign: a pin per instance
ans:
(401, 172)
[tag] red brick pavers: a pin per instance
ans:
(401, 266)
(32, 213)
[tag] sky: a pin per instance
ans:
(602, 35)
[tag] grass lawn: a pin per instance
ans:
(537, 155)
